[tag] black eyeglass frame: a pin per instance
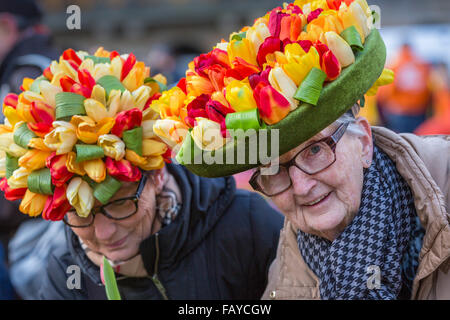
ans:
(331, 141)
(101, 210)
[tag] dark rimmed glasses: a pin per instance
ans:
(118, 209)
(312, 159)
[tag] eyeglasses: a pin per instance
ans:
(118, 209)
(312, 159)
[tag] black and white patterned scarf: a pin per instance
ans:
(376, 241)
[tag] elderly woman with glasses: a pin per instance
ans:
(366, 215)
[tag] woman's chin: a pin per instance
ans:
(327, 223)
(122, 254)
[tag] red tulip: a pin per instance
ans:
(272, 105)
(294, 8)
(11, 100)
(270, 45)
(113, 54)
(285, 28)
(314, 14)
(305, 44)
(154, 97)
(122, 170)
(11, 194)
(58, 169)
(85, 78)
(241, 69)
(81, 90)
(182, 85)
(71, 56)
(48, 74)
(209, 59)
(275, 22)
(127, 66)
(331, 66)
(44, 115)
(127, 120)
(66, 83)
(196, 109)
(216, 74)
(217, 112)
(57, 205)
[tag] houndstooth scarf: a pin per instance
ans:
(374, 242)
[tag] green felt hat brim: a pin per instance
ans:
(306, 121)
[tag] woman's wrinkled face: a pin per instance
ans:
(325, 203)
(120, 240)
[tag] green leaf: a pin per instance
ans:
(69, 104)
(352, 37)
(112, 291)
(40, 181)
(162, 86)
(310, 88)
(12, 163)
(106, 189)
(88, 152)
(23, 135)
(98, 59)
(244, 120)
(133, 139)
(110, 83)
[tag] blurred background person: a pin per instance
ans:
(439, 122)
(25, 51)
(403, 105)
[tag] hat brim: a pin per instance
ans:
(300, 125)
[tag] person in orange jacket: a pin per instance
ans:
(439, 122)
(403, 105)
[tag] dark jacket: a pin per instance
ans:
(219, 247)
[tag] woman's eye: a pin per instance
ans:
(315, 149)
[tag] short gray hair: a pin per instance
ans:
(350, 118)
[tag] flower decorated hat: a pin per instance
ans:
(297, 69)
(74, 134)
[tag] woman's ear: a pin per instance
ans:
(159, 178)
(366, 141)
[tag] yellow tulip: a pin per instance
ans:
(114, 103)
(147, 129)
(240, 96)
(207, 134)
(19, 178)
(95, 169)
(140, 97)
(49, 92)
(38, 143)
(73, 166)
(365, 7)
(26, 83)
(112, 145)
(257, 34)
(197, 85)
(386, 78)
(354, 16)
(340, 48)
(135, 77)
(88, 131)
(299, 66)
(171, 131)
(7, 142)
(98, 93)
(67, 69)
(80, 196)
(62, 138)
(32, 203)
(12, 115)
(243, 49)
(116, 67)
(170, 103)
(284, 84)
(145, 163)
(34, 159)
(151, 147)
(95, 109)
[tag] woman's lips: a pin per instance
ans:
(318, 203)
(117, 244)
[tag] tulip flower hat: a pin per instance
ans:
(76, 132)
(297, 70)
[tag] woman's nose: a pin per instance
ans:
(104, 227)
(302, 183)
